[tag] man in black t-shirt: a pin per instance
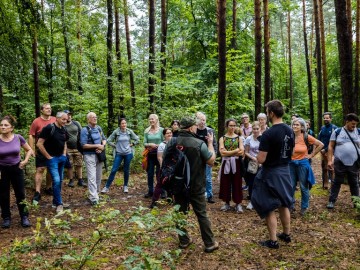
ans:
(272, 186)
(52, 144)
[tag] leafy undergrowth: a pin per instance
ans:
(122, 233)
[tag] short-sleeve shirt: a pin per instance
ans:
(54, 143)
(253, 145)
(96, 134)
(73, 131)
(344, 148)
(10, 151)
(161, 147)
(278, 141)
(38, 124)
(300, 149)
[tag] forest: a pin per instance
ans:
(175, 57)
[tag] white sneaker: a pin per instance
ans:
(225, 207)
(126, 190)
(59, 208)
(105, 190)
(65, 205)
(239, 209)
(249, 206)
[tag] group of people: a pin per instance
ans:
(272, 161)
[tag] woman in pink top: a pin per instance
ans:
(11, 168)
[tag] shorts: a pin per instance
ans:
(75, 158)
(272, 189)
(40, 160)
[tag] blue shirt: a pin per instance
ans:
(96, 134)
(325, 133)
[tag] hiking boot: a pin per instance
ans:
(330, 205)
(269, 244)
(238, 208)
(185, 245)
(126, 190)
(59, 208)
(36, 198)
(210, 200)
(250, 206)
(212, 248)
(65, 205)
(105, 190)
(25, 222)
(303, 211)
(6, 223)
(71, 183)
(49, 191)
(225, 207)
(152, 205)
(81, 183)
(284, 237)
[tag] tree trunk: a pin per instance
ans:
(345, 56)
(234, 31)
(51, 57)
(79, 45)
(151, 84)
(36, 73)
(221, 5)
(357, 58)
(266, 52)
(323, 57)
(163, 46)
(290, 64)
(201, 42)
(109, 44)
(318, 65)
(308, 69)
(128, 48)
(67, 48)
(118, 58)
(257, 56)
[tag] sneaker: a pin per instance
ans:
(36, 198)
(225, 207)
(249, 206)
(105, 190)
(65, 205)
(59, 208)
(212, 248)
(210, 200)
(71, 183)
(245, 187)
(330, 205)
(148, 195)
(303, 211)
(284, 237)
(81, 183)
(152, 205)
(25, 222)
(94, 203)
(6, 223)
(238, 208)
(185, 245)
(126, 190)
(49, 191)
(269, 244)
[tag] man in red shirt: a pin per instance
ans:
(40, 161)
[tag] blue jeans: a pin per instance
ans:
(152, 163)
(117, 162)
(56, 168)
(208, 175)
(299, 173)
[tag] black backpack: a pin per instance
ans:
(175, 170)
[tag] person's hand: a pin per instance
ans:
(330, 166)
(100, 147)
(210, 137)
(22, 164)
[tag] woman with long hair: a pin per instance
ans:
(153, 136)
(122, 140)
(300, 169)
(231, 149)
(11, 168)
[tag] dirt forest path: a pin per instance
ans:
(322, 239)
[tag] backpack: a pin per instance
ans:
(337, 132)
(175, 170)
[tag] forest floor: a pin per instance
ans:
(321, 239)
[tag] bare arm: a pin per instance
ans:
(224, 152)
(247, 153)
(261, 157)
(330, 155)
(211, 160)
(32, 141)
(29, 153)
(40, 145)
(318, 146)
